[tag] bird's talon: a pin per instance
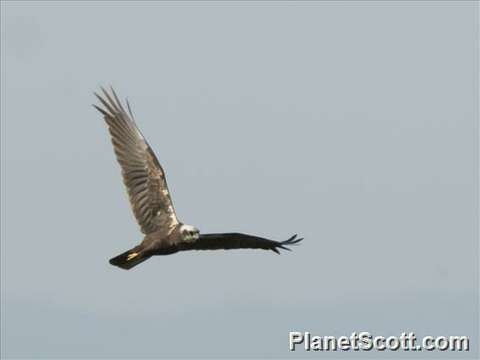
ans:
(131, 256)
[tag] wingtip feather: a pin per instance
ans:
(289, 242)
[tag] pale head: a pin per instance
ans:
(189, 233)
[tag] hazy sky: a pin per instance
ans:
(352, 124)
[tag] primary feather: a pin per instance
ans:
(142, 174)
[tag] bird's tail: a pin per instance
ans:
(129, 258)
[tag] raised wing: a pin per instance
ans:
(229, 241)
(143, 176)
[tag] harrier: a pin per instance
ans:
(150, 199)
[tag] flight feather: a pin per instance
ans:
(142, 174)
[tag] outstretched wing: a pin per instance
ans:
(142, 174)
(237, 241)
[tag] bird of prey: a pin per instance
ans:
(150, 199)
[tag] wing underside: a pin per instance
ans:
(228, 241)
(142, 174)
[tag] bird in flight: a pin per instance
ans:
(150, 199)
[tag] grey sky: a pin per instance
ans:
(352, 124)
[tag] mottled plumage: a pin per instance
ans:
(150, 198)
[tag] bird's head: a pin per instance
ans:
(189, 233)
